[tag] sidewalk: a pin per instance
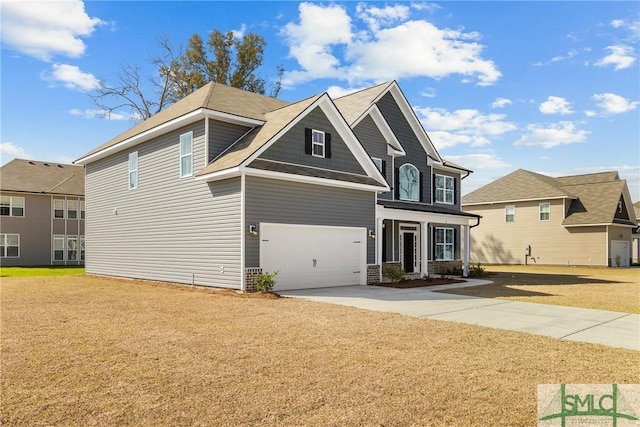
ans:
(609, 328)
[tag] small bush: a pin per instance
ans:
(618, 259)
(393, 273)
(476, 270)
(265, 281)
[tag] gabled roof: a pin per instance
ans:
(636, 208)
(354, 105)
(516, 186)
(213, 97)
(240, 151)
(30, 176)
(594, 197)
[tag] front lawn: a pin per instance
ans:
(40, 271)
(613, 289)
(81, 350)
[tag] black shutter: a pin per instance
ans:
(307, 141)
(396, 184)
(384, 169)
(327, 145)
(433, 243)
(420, 192)
(455, 191)
(455, 242)
(433, 195)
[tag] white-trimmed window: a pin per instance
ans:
(444, 244)
(11, 206)
(58, 247)
(409, 182)
(9, 245)
(445, 189)
(72, 248)
(133, 170)
(510, 213)
(58, 208)
(82, 209)
(72, 209)
(317, 143)
(186, 154)
(545, 211)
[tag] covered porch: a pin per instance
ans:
(422, 239)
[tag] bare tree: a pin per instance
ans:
(227, 59)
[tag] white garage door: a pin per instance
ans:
(620, 248)
(313, 256)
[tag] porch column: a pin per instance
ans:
(379, 231)
(466, 230)
(424, 248)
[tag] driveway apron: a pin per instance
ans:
(609, 328)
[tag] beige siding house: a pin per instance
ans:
(529, 218)
(42, 214)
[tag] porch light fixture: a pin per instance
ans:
(253, 230)
(372, 234)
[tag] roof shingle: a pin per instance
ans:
(30, 176)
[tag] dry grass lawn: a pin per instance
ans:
(614, 289)
(88, 351)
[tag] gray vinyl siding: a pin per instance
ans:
(169, 228)
(409, 141)
(290, 147)
(34, 230)
(376, 146)
(289, 202)
(222, 135)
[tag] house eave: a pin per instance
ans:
(600, 225)
(162, 129)
(535, 199)
(421, 216)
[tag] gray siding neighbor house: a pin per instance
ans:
(42, 214)
(226, 184)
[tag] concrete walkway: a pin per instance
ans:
(610, 328)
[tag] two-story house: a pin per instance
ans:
(42, 214)
(226, 183)
(529, 218)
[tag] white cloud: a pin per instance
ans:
(568, 55)
(429, 92)
(72, 77)
(620, 56)
(479, 161)
(327, 44)
(501, 103)
(610, 103)
(471, 127)
(337, 91)
(590, 113)
(556, 105)
(10, 151)
(45, 29)
(561, 133)
(239, 34)
(100, 114)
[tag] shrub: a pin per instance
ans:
(393, 273)
(265, 281)
(618, 259)
(476, 270)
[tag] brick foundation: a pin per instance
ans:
(373, 274)
(441, 267)
(250, 275)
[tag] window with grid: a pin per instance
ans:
(510, 213)
(11, 206)
(445, 189)
(186, 154)
(9, 245)
(133, 170)
(545, 211)
(444, 244)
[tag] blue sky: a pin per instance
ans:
(551, 87)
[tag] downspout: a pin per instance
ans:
(468, 248)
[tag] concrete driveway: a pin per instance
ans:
(609, 328)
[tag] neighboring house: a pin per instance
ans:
(42, 214)
(571, 220)
(226, 184)
(636, 236)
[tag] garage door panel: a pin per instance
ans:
(313, 256)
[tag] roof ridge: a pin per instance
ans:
(61, 182)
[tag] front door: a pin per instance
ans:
(409, 247)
